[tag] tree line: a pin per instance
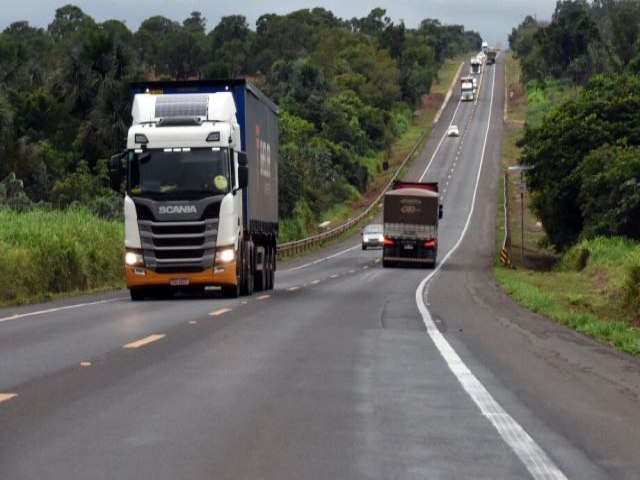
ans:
(586, 152)
(346, 89)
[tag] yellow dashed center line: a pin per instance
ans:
(215, 313)
(85, 364)
(144, 341)
(293, 289)
(263, 297)
(7, 396)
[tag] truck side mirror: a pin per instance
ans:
(440, 211)
(243, 170)
(117, 171)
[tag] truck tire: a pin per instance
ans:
(248, 269)
(270, 265)
(260, 280)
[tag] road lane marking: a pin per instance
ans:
(315, 262)
(85, 364)
(333, 276)
(145, 341)
(315, 282)
(293, 289)
(536, 461)
(7, 396)
(54, 310)
(192, 322)
(215, 313)
(263, 297)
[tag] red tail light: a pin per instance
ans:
(388, 241)
(430, 243)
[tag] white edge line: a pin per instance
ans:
(59, 309)
(315, 262)
(537, 462)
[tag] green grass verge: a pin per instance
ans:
(567, 298)
(44, 253)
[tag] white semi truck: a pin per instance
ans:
(466, 89)
(200, 183)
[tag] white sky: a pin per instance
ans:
(493, 19)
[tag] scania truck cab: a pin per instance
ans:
(200, 188)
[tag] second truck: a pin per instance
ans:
(466, 89)
(411, 211)
(200, 183)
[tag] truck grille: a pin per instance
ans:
(178, 246)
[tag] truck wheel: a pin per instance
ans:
(260, 281)
(271, 274)
(248, 268)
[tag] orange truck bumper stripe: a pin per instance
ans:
(217, 276)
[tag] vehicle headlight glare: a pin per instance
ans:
(226, 255)
(133, 259)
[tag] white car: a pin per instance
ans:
(372, 236)
(453, 131)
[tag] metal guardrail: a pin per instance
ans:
(306, 243)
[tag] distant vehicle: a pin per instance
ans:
(410, 216)
(491, 56)
(466, 88)
(475, 65)
(475, 84)
(485, 46)
(372, 236)
(453, 131)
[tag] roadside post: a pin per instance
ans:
(521, 187)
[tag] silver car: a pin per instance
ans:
(372, 236)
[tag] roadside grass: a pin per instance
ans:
(587, 301)
(48, 252)
(593, 288)
(517, 105)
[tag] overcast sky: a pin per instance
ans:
(493, 19)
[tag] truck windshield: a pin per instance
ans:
(178, 172)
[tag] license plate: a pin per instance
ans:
(176, 282)
(408, 247)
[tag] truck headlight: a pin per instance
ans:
(225, 255)
(134, 258)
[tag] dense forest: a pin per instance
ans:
(586, 151)
(346, 89)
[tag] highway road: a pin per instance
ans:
(346, 370)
